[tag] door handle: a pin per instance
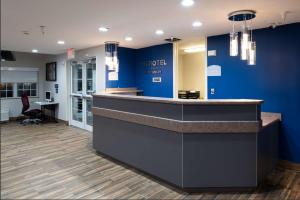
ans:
(77, 95)
(87, 96)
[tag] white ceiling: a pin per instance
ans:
(77, 21)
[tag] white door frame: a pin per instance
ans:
(85, 97)
(176, 70)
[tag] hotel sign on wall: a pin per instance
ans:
(155, 69)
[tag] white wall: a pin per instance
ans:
(14, 105)
(64, 77)
(99, 53)
(61, 80)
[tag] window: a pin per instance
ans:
(29, 88)
(17, 80)
(6, 90)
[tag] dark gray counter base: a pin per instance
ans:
(194, 146)
(184, 160)
(172, 185)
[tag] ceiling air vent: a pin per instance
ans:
(172, 39)
(7, 56)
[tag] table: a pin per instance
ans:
(51, 106)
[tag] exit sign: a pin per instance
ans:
(70, 53)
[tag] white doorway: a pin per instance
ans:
(83, 86)
(190, 65)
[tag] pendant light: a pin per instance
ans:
(111, 56)
(251, 59)
(111, 60)
(247, 46)
(252, 54)
(245, 39)
(234, 43)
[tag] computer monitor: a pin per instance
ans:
(48, 96)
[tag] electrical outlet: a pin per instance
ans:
(212, 91)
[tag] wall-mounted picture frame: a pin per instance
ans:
(51, 71)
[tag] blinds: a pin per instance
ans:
(19, 74)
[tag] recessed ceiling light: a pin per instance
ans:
(159, 32)
(187, 3)
(61, 42)
(35, 50)
(128, 38)
(103, 29)
(197, 24)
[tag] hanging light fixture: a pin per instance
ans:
(111, 56)
(234, 43)
(245, 39)
(247, 46)
(251, 59)
(252, 54)
(111, 59)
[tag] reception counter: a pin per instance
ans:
(191, 144)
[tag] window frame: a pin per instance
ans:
(6, 91)
(30, 89)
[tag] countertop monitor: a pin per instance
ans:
(48, 96)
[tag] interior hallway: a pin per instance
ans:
(56, 161)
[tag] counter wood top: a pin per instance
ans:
(182, 101)
(180, 126)
(270, 118)
(122, 90)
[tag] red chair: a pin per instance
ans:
(33, 115)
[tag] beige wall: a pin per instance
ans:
(190, 68)
(192, 72)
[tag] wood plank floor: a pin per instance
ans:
(55, 161)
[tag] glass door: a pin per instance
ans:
(90, 86)
(83, 86)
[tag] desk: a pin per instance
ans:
(192, 144)
(51, 106)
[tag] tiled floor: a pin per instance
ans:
(54, 161)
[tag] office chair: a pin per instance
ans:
(33, 115)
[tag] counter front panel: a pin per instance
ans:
(146, 148)
(189, 144)
(221, 112)
(170, 111)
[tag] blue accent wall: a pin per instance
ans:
(144, 75)
(275, 79)
(126, 70)
(133, 72)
